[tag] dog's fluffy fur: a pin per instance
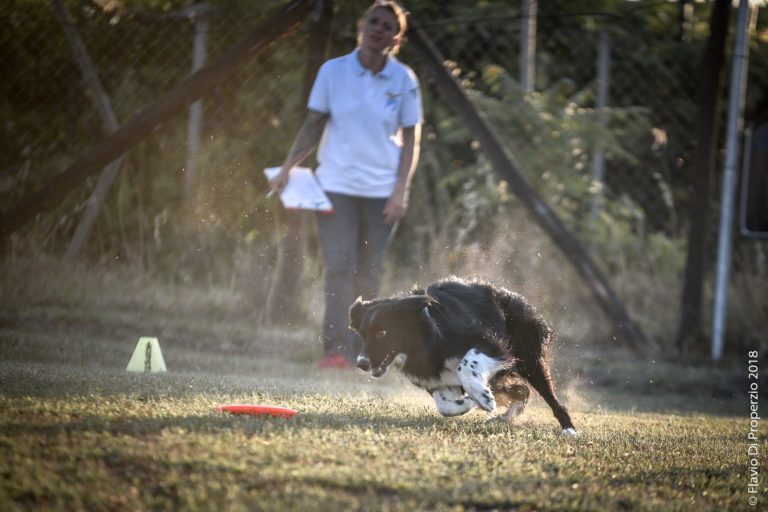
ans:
(469, 344)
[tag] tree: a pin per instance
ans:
(706, 136)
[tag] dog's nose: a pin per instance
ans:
(363, 363)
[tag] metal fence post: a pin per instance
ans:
(735, 122)
(603, 89)
(194, 125)
(528, 46)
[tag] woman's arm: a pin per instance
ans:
(307, 139)
(409, 157)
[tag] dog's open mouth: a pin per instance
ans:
(389, 360)
(384, 366)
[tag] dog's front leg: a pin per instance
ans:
(474, 372)
(452, 401)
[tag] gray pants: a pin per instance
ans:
(354, 240)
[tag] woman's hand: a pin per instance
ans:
(396, 206)
(308, 137)
(278, 182)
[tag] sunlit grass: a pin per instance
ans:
(78, 432)
(355, 451)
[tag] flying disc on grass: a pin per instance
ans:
(257, 410)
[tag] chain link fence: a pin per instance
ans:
(606, 136)
(151, 217)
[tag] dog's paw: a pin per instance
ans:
(515, 409)
(570, 432)
(473, 372)
(483, 398)
(452, 401)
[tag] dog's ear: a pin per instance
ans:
(416, 302)
(419, 304)
(356, 311)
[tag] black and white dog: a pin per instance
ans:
(468, 344)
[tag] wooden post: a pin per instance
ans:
(285, 292)
(141, 125)
(509, 171)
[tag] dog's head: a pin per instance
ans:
(387, 327)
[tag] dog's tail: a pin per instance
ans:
(524, 324)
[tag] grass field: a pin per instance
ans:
(77, 432)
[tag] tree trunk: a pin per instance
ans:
(104, 107)
(707, 124)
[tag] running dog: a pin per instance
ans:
(468, 344)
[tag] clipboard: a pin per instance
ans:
(302, 192)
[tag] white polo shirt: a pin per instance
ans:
(360, 151)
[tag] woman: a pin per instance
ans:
(368, 104)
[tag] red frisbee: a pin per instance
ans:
(257, 410)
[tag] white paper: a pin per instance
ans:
(302, 192)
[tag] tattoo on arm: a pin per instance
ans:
(308, 138)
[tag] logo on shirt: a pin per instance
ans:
(392, 99)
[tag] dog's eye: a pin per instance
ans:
(381, 333)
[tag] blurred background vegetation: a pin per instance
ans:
(166, 236)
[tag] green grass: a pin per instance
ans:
(77, 432)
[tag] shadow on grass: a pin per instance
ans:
(215, 423)
(57, 351)
(618, 388)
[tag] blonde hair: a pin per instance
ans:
(401, 15)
